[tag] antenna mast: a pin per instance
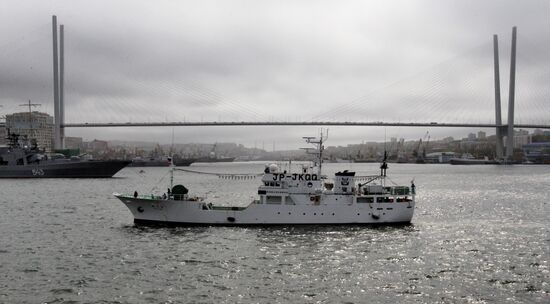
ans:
(318, 149)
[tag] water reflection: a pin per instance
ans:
(478, 235)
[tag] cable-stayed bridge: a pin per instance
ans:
(458, 93)
(502, 130)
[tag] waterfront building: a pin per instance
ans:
(439, 157)
(3, 135)
(448, 140)
(521, 138)
(481, 135)
(538, 153)
(74, 142)
(34, 125)
(98, 145)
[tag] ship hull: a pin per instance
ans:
(170, 212)
(215, 160)
(183, 162)
(68, 169)
(161, 163)
(460, 161)
(149, 164)
(153, 223)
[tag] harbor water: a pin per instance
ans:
(480, 234)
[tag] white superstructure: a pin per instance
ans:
(306, 197)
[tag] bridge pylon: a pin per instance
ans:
(511, 98)
(508, 129)
(498, 116)
(58, 90)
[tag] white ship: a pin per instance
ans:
(286, 198)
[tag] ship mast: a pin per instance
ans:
(29, 104)
(318, 149)
(171, 173)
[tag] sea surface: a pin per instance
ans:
(480, 234)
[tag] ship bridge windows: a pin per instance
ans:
(272, 184)
(269, 199)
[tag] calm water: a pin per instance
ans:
(480, 234)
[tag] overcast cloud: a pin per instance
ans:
(275, 60)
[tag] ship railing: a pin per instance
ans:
(383, 199)
(381, 190)
(141, 196)
(366, 179)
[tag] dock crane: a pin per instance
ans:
(420, 157)
(426, 145)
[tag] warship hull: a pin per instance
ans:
(215, 160)
(180, 162)
(65, 169)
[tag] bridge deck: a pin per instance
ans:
(306, 123)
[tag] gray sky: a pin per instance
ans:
(275, 60)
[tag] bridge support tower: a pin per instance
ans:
(498, 117)
(508, 129)
(511, 100)
(58, 81)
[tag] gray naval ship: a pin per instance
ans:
(18, 160)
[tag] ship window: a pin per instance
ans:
(365, 199)
(273, 199)
(379, 199)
